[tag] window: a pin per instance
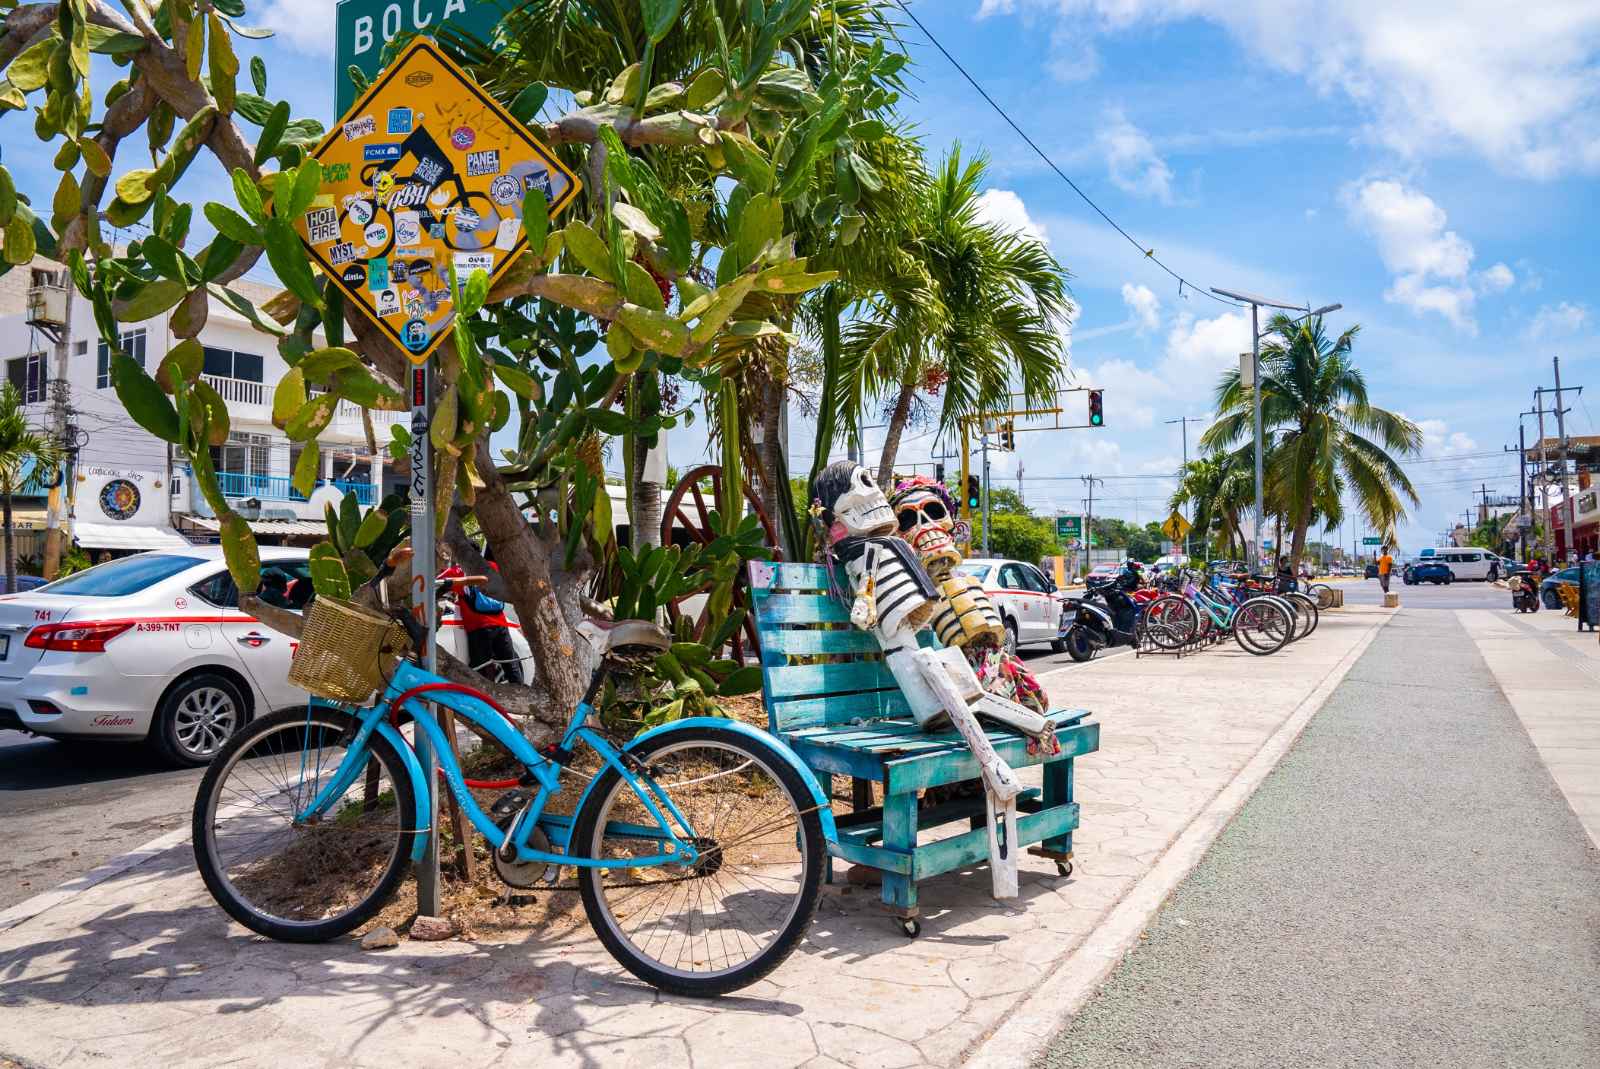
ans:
(243, 454)
(80, 348)
(279, 587)
(46, 278)
(1011, 578)
(1035, 580)
(132, 343)
(119, 578)
(227, 364)
(28, 375)
(219, 590)
(980, 572)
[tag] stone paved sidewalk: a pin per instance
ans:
(144, 969)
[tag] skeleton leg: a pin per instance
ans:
(1000, 782)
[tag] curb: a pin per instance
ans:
(30, 908)
(1021, 1037)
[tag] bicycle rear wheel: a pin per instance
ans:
(736, 913)
(302, 881)
(1306, 608)
(1322, 593)
(1262, 626)
(1171, 621)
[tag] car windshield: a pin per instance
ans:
(980, 572)
(121, 577)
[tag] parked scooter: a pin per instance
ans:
(1524, 593)
(1107, 616)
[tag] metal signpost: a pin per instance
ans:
(424, 180)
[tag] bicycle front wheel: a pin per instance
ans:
(1306, 608)
(1323, 593)
(302, 880)
(1262, 626)
(740, 909)
(1171, 621)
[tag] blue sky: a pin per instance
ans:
(1431, 165)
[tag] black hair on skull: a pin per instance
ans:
(830, 484)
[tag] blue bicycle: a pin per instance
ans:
(699, 846)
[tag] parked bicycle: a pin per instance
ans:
(699, 846)
(1259, 624)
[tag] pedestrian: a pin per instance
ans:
(1385, 566)
(489, 648)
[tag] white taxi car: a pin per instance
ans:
(154, 648)
(1025, 597)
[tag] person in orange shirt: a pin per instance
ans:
(1385, 566)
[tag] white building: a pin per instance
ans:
(129, 489)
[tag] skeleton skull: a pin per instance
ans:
(853, 506)
(923, 509)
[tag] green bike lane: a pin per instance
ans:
(1409, 887)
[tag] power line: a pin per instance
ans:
(1148, 254)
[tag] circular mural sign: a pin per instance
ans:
(119, 499)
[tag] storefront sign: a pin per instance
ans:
(121, 495)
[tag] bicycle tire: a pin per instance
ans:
(587, 841)
(214, 872)
(1170, 632)
(1278, 638)
(1308, 606)
(1323, 593)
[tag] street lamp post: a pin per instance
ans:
(1256, 304)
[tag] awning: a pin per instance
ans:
(285, 528)
(126, 536)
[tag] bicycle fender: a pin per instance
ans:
(419, 785)
(830, 830)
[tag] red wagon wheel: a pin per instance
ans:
(688, 515)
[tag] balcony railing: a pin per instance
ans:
(238, 391)
(277, 488)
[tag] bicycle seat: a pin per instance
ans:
(628, 636)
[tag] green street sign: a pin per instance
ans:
(1372, 540)
(363, 27)
(1069, 527)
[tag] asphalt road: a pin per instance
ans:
(1461, 595)
(68, 807)
(1408, 888)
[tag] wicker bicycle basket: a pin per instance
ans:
(341, 648)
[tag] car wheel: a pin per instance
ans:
(1551, 599)
(1449, 579)
(197, 717)
(1011, 638)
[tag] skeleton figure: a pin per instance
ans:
(964, 616)
(893, 598)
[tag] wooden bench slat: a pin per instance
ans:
(800, 609)
(817, 679)
(794, 576)
(812, 641)
(793, 714)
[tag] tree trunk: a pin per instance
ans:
(897, 426)
(1301, 522)
(11, 546)
(774, 478)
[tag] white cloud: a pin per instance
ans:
(1559, 320)
(1144, 307)
(1003, 207)
(307, 24)
(1133, 162)
(1431, 264)
(1496, 279)
(1438, 440)
(1514, 85)
(1199, 350)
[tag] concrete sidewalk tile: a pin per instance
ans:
(144, 968)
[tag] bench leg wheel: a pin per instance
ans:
(1063, 868)
(911, 927)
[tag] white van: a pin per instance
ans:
(1470, 563)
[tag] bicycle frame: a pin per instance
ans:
(672, 847)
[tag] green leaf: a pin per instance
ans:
(136, 187)
(372, 525)
(289, 397)
(288, 259)
(272, 130)
(155, 298)
(639, 286)
(143, 399)
(706, 87)
(31, 69)
(239, 547)
(307, 469)
(216, 412)
(231, 224)
(746, 680)
(8, 197)
(536, 218)
(94, 157)
(349, 518)
(519, 382)
(248, 194)
(761, 222)
(659, 17)
(258, 75)
(318, 364)
(589, 250)
(658, 330)
(442, 429)
(247, 309)
(528, 102)
(474, 293)
(183, 363)
(307, 181)
(312, 418)
(328, 576)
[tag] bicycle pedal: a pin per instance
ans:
(509, 803)
(518, 901)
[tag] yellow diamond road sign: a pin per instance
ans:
(1176, 527)
(427, 172)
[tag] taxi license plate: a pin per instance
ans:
(5, 646)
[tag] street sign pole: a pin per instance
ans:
(424, 569)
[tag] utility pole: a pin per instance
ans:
(984, 441)
(1544, 473)
(1088, 519)
(1020, 500)
(1522, 486)
(59, 385)
(1483, 503)
(1568, 499)
(1185, 421)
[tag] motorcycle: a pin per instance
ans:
(1107, 616)
(1524, 594)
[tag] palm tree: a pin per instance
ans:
(25, 456)
(1322, 433)
(975, 304)
(1219, 489)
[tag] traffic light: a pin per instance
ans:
(938, 474)
(1008, 436)
(974, 493)
(1097, 415)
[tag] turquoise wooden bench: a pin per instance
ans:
(829, 695)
